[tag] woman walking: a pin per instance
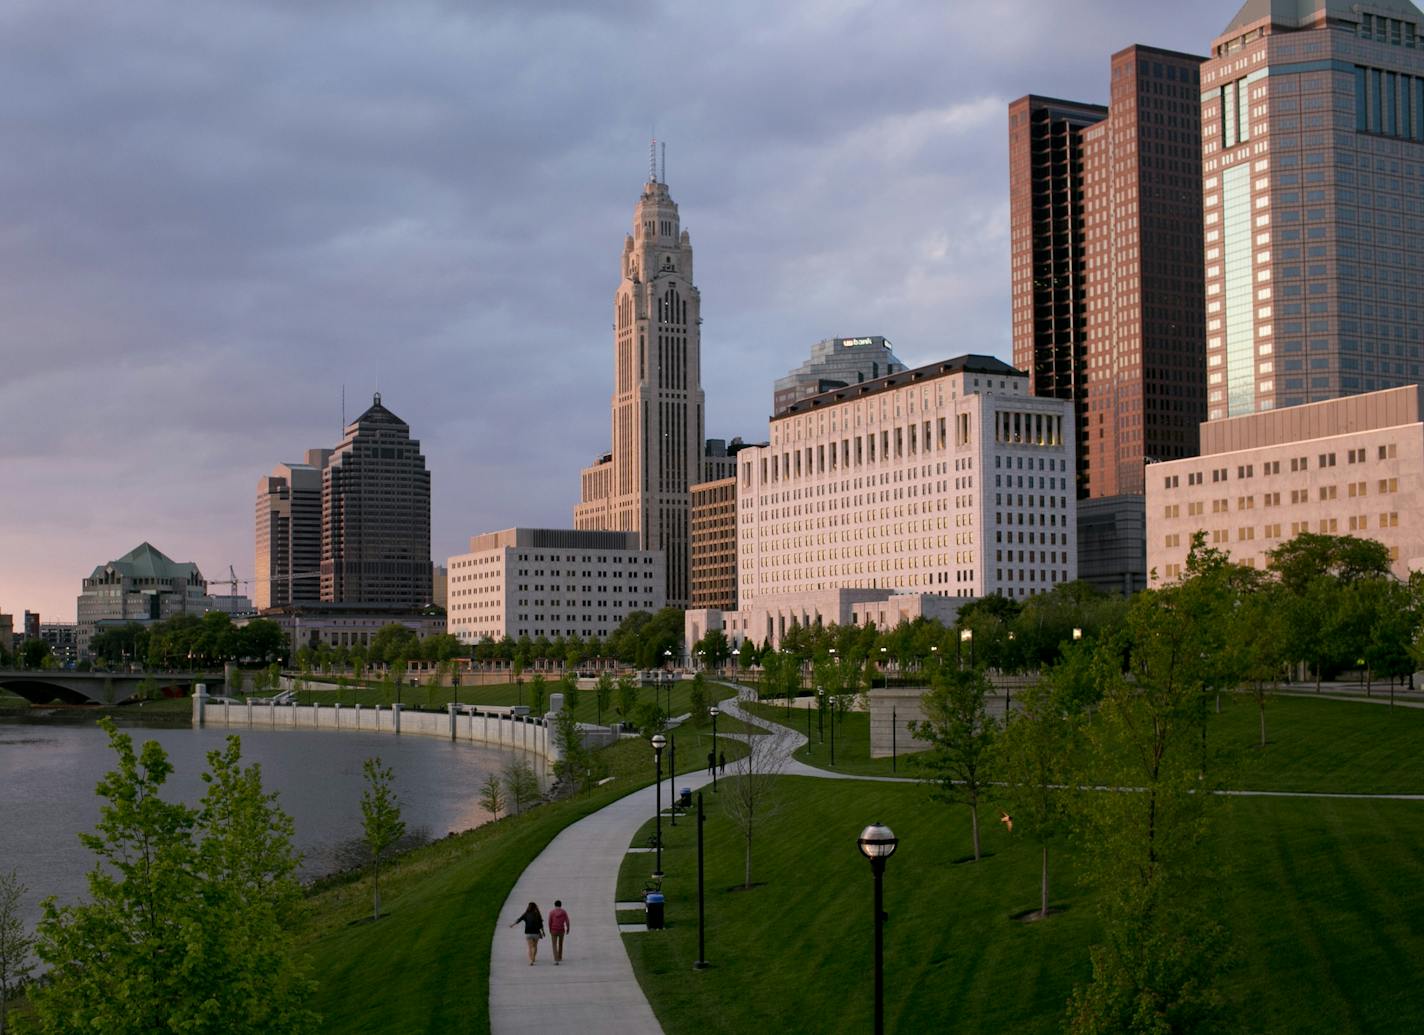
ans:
(533, 929)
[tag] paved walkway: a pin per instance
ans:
(594, 990)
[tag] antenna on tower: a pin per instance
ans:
(653, 161)
(343, 408)
(664, 172)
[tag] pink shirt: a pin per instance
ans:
(558, 921)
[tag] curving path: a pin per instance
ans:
(594, 990)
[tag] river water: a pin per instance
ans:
(50, 764)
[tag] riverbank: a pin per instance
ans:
(443, 905)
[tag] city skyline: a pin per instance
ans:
(209, 261)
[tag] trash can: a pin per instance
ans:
(684, 797)
(653, 904)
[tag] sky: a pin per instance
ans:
(217, 215)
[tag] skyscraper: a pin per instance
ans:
(642, 484)
(836, 363)
(289, 533)
(1046, 230)
(375, 516)
(1313, 155)
(1107, 274)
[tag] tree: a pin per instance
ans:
(749, 796)
(961, 736)
(713, 648)
(521, 783)
(381, 822)
(33, 653)
(1035, 753)
(178, 895)
(573, 765)
(697, 699)
(1155, 969)
(492, 798)
(15, 942)
(537, 685)
(603, 694)
(627, 697)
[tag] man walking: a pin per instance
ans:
(711, 762)
(558, 927)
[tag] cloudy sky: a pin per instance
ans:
(217, 214)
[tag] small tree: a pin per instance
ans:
(15, 942)
(573, 764)
(749, 796)
(1034, 758)
(537, 686)
(603, 694)
(697, 700)
(961, 737)
(627, 696)
(381, 822)
(521, 783)
(492, 798)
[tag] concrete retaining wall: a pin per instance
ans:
(492, 727)
(893, 709)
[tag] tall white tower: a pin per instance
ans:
(642, 485)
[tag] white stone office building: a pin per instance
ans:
(949, 481)
(551, 582)
(1350, 466)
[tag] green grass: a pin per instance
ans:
(1311, 745)
(424, 967)
(503, 694)
(1321, 904)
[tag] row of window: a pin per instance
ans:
(1389, 451)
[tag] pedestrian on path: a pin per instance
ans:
(533, 929)
(558, 927)
(724, 763)
(711, 762)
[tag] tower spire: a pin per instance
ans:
(653, 161)
(663, 175)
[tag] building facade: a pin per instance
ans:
(949, 479)
(642, 484)
(142, 586)
(375, 516)
(63, 640)
(714, 543)
(836, 363)
(1349, 466)
(767, 619)
(551, 582)
(289, 533)
(345, 625)
(1313, 153)
(1047, 251)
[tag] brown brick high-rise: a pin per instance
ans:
(375, 516)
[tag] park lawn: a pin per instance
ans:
(504, 694)
(1312, 744)
(1318, 897)
(425, 965)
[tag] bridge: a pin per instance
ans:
(42, 686)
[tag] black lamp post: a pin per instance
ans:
(877, 843)
(667, 655)
(701, 963)
(714, 711)
(659, 742)
(833, 729)
(821, 713)
(455, 679)
(884, 672)
(736, 661)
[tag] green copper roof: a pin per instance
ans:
(1297, 12)
(145, 561)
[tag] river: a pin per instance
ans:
(50, 764)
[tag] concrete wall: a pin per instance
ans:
(492, 727)
(898, 706)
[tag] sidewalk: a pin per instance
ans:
(593, 991)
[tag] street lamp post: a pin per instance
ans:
(833, 729)
(455, 679)
(672, 777)
(966, 636)
(701, 963)
(714, 711)
(736, 661)
(877, 843)
(884, 672)
(821, 713)
(659, 742)
(1077, 633)
(667, 656)
(894, 739)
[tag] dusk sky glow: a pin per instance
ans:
(219, 214)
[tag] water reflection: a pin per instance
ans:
(49, 766)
